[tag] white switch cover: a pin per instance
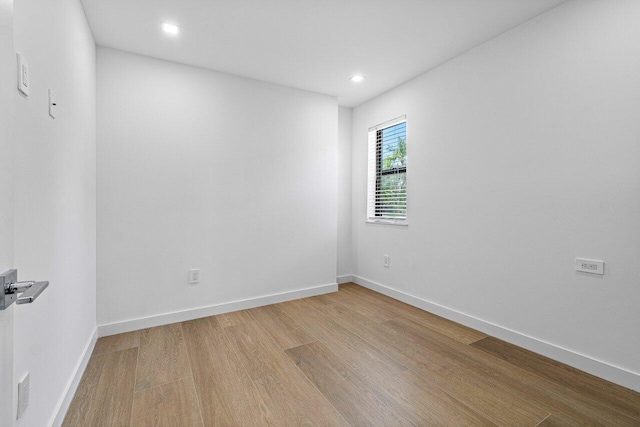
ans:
(53, 104)
(23, 75)
(194, 276)
(590, 266)
(23, 395)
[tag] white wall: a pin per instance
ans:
(344, 191)
(54, 175)
(199, 169)
(523, 154)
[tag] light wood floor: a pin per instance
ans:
(354, 357)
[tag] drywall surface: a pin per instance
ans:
(200, 169)
(54, 177)
(523, 154)
(344, 191)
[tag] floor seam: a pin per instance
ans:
(314, 386)
(163, 384)
(134, 385)
(193, 378)
(542, 420)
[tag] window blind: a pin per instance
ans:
(387, 172)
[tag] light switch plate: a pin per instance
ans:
(23, 75)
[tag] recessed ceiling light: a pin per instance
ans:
(357, 78)
(172, 29)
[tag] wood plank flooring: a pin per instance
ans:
(353, 357)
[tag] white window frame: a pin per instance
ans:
(372, 172)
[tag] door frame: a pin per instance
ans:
(8, 96)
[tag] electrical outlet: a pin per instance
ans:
(590, 266)
(386, 261)
(23, 395)
(53, 104)
(194, 276)
(24, 79)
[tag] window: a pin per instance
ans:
(387, 177)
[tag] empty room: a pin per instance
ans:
(319, 212)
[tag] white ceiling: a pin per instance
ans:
(315, 45)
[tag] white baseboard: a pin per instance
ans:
(344, 279)
(587, 364)
(72, 385)
(211, 310)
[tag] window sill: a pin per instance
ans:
(400, 222)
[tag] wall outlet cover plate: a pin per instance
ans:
(53, 104)
(23, 75)
(194, 276)
(23, 395)
(590, 266)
